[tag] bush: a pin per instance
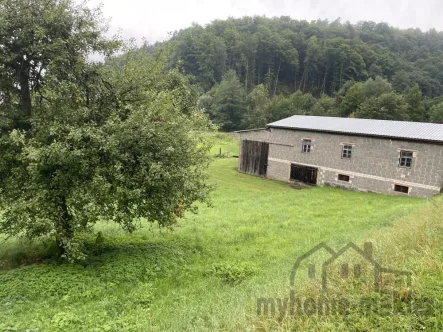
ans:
(234, 273)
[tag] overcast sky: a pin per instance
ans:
(153, 19)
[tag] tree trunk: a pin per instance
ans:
(64, 229)
(324, 83)
(304, 81)
(276, 80)
(246, 76)
(295, 82)
(25, 93)
(341, 76)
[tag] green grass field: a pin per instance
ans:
(207, 274)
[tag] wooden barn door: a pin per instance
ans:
(304, 174)
(254, 157)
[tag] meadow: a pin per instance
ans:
(207, 273)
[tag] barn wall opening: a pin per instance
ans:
(254, 157)
(304, 174)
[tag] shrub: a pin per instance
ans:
(234, 273)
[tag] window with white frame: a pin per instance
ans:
(405, 159)
(306, 147)
(346, 152)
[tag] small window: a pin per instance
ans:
(347, 151)
(401, 189)
(343, 177)
(306, 146)
(405, 159)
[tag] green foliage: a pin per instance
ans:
(302, 103)
(234, 273)
(317, 57)
(121, 142)
(373, 99)
(256, 115)
(414, 99)
(350, 98)
(230, 103)
(388, 106)
(375, 88)
(46, 35)
(401, 81)
(436, 113)
(200, 53)
(145, 160)
(325, 106)
(206, 104)
(320, 59)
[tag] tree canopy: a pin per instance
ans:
(121, 142)
(37, 36)
(317, 57)
(351, 64)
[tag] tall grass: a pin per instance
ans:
(412, 243)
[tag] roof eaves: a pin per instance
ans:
(246, 130)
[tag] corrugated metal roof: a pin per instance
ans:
(246, 130)
(383, 128)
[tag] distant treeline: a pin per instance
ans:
(255, 69)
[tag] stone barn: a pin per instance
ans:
(391, 157)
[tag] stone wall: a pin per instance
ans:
(372, 167)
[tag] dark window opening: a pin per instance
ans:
(405, 159)
(343, 177)
(401, 189)
(306, 146)
(303, 174)
(347, 151)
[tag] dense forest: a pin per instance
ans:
(253, 70)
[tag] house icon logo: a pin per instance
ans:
(346, 269)
(327, 282)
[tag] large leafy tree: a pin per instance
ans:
(36, 35)
(120, 142)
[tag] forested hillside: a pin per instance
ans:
(248, 69)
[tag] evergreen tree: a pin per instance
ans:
(230, 103)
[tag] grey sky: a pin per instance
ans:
(154, 18)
